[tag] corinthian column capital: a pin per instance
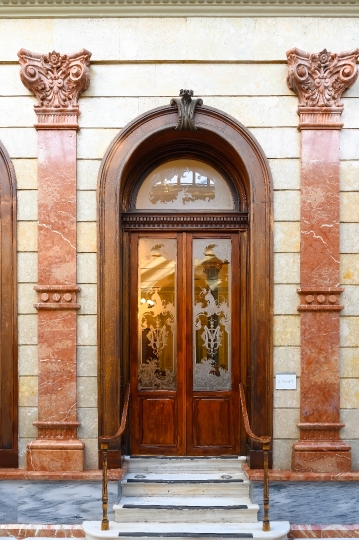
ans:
(319, 80)
(57, 80)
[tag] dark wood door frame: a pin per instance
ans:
(137, 148)
(8, 307)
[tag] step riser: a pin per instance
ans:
(181, 490)
(194, 466)
(137, 515)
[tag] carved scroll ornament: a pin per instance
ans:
(319, 80)
(57, 80)
(186, 109)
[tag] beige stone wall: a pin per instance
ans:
(238, 65)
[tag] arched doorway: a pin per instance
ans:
(147, 144)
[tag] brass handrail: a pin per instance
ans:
(265, 442)
(104, 447)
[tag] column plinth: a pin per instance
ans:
(57, 81)
(319, 80)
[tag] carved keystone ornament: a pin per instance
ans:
(186, 109)
(57, 80)
(319, 81)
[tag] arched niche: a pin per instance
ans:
(138, 148)
(8, 306)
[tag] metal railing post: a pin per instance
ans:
(104, 523)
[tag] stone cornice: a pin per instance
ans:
(319, 80)
(178, 8)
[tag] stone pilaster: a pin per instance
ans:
(319, 81)
(57, 80)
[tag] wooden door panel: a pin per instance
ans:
(159, 421)
(212, 422)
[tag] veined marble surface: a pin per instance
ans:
(54, 502)
(323, 503)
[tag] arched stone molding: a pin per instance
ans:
(8, 307)
(217, 132)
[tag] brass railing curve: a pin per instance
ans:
(104, 440)
(265, 442)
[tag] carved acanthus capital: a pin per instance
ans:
(57, 80)
(186, 108)
(319, 80)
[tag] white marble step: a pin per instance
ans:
(185, 510)
(192, 485)
(186, 531)
(184, 464)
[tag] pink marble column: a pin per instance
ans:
(319, 80)
(57, 81)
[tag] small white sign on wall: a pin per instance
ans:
(285, 381)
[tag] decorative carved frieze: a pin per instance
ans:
(172, 221)
(57, 296)
(57, 430)
(320, 299)
(319, 80)
(186, 109)
(57, 80)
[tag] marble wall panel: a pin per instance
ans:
(86, 268)
(27, 328)
(285, 300)
(349, 331)
(86, 237)
(349, 144)
(19, 142)
(349, 207)
(86, 206)
(87, 172)
(286, 268)
(285, 173)
(27, 297)
(106, 112)
(88, 299)
(87, 416)
(349, 362)
(34, 34)
(286, 331)
(87, 361)
(27, 415)
(282, 453)
(350, 300)
(349, 238)
(272, 141)
(286, 360)
(16, 111)
(350, 418)
(28, 360)
(287, 399)
(286, 205)
(26, 172)
(349, 175)
(27, 267)
(86, 392)
(285, 423)
(27, 236)
(87, 330)
(91, 453)
(349, 395)
(27, 205)
(93, 143)
(100, 36)
(28, 391)
(349, 269)
(286, 237)
(11, 83)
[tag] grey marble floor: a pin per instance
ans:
(312, 503)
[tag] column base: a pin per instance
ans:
(55, 455)
(321, 457)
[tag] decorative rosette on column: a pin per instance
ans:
(319, 81)
(57, 80)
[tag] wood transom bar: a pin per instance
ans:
(173, 222)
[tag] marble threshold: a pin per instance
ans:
(20, 532)
(291, 476)
(82, 476)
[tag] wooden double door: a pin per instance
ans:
(185, 343)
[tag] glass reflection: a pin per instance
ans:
(157, 313)
(184, 184)
(212, 314)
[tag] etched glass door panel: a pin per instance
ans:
(212, 314)
(184, 184)
(157, 358)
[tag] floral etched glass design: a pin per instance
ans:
(157, 313)
(184, 184)
(212, 314)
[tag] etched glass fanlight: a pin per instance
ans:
(184, 184)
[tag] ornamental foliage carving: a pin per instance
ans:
(57, 80)
(319, 80)
(186, 108)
